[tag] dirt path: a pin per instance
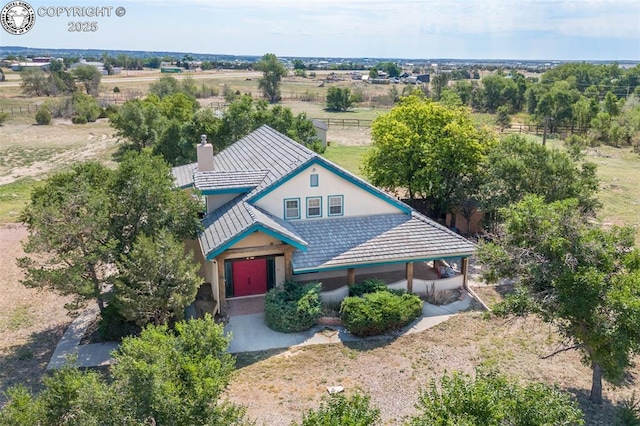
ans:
(31, 321)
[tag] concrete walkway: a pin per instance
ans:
(92, 355)
(249, 334)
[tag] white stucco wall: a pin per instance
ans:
(357, 201)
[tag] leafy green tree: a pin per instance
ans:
(34, 82)
(69, 245)
(165, 85)
(272, 72)
(341, 410)
(141, 122)
(390, 68)
(339, 99)
(502, 117)
(516, 167)
(80, 222)
(85, 108)
(177, 376)
(90, 77)
(164, 377)
(43, 116)
(143, 202)
(575, 275)
(460, 400)
(429, 150)
(557, 104)
(157, 281)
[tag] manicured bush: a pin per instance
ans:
(292, 307)
(340, 410)
(43, 116)
(368, 286)
(379, 312)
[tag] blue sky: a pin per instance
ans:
(474, 29)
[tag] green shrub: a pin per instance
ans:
(379, 312)
(340, 410)
(116, 89)
(3, 117)
(113, 326)
(79, 119)
(43, 116)
(292, 307)
(368, 286)
(628, 411)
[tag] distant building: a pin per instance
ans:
(19, 66)
(321, 131)
(98, 65)
(423, 78)
(171, 69)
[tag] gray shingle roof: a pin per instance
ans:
(222, 180)
(236, 217)
(183, 175)
(345, 241)
(266, 157)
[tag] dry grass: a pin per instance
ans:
(31, 321)
(277, 386)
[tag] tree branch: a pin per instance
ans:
(560, 351)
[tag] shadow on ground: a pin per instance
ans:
(594, 414)
(27, 363)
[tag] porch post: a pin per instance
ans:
(465, 271)
(288, 265)
(409, 273)
(222, 288)
(351, 276)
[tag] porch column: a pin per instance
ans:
(409, 273)
(222, 288)
(288, 265)
(351, 276)
(465, 271)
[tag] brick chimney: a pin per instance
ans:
(205, 155)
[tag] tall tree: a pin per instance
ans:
(516, 167)
(90, 77)
(339, 99)
(272, 72)
(575, 275)
(140, 122)
(157, 281)
(34, 82)
(80, 222)
(429, 150)
(70, 247)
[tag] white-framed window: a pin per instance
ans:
(314, 180)
(314, 207)
(336, 207)
(292, 208)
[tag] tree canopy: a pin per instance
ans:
(90, 78)
(82, 221)
(516, 167)
(575, 275)
(427, 149)
(339, 99)
(164, 377)
(272, 72)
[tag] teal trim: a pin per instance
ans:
(252, 229)
(329, 197)
(239, 190)
(285, 209)
(307, 204)
(364, 265)
(313, 180)
(338, 171)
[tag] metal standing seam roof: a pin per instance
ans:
(346, 241)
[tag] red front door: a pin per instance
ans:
(250, 277)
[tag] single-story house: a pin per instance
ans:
(276, 211)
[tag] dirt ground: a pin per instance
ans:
(31, 321)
